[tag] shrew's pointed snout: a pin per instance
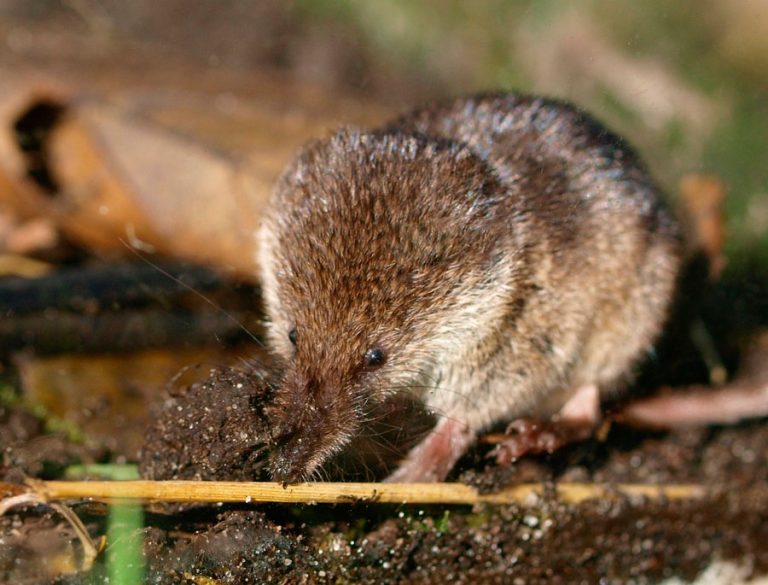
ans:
(295, 457)
(308, 427)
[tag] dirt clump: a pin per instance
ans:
(213, 429)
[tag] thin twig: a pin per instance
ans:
(336, 493)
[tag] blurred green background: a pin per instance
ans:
(685, 81)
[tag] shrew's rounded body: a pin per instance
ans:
(491, 254)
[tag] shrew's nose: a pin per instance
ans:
(290, 459)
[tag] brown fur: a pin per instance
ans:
(501, 250)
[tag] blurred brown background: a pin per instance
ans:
(685, 81)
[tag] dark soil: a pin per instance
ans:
(215, 430)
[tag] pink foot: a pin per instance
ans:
(575, 422)
(532, 437)
(433, 458)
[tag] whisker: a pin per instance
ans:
(406, 387)
(387, 446)
(175, 378)
(194, 291)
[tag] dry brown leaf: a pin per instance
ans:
(20, 90)
(34, 235)
(702, 198)
(176, 159)
(126, 180)
(17, 265)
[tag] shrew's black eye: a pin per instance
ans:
(292, 336)
(374, 357)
